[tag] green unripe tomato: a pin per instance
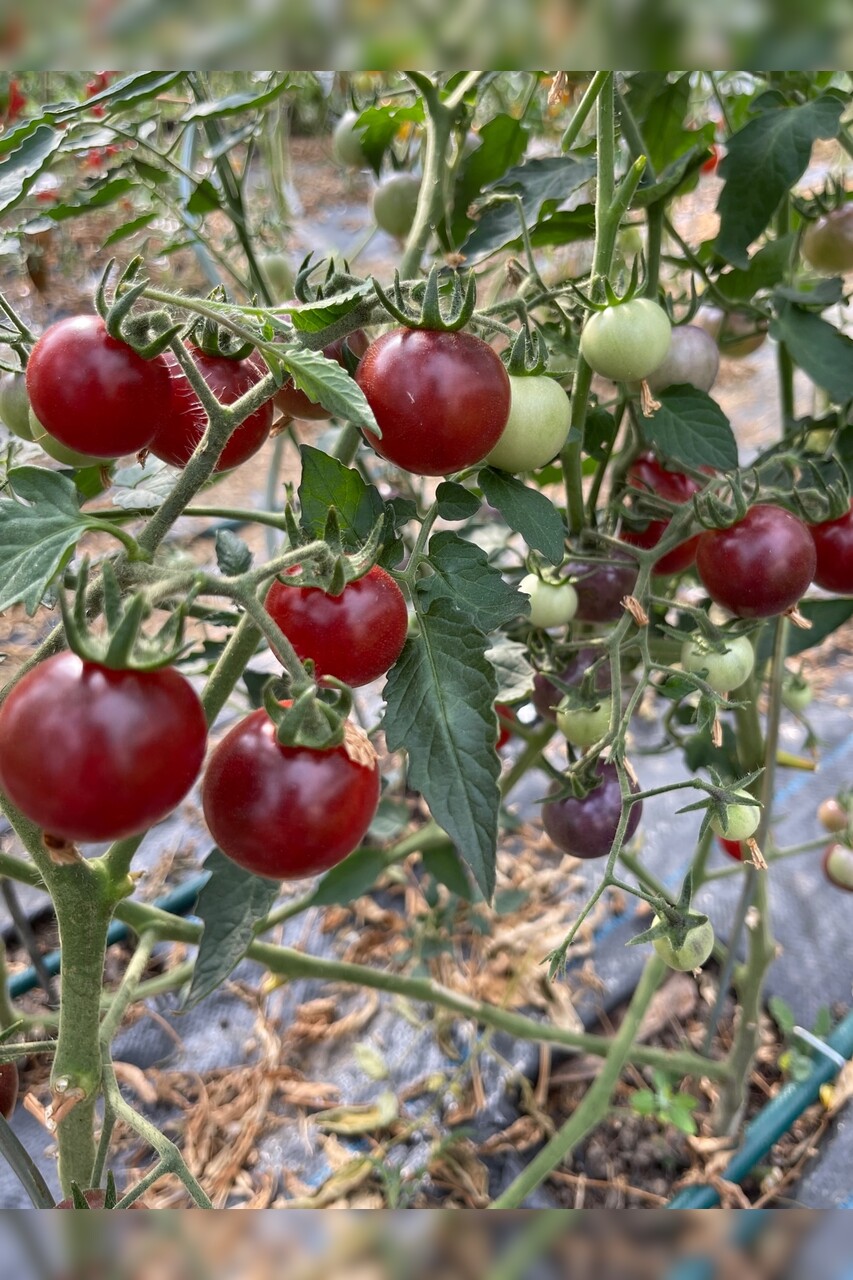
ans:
(741, 820)
(551, 605)
(60, 452)
(828, 243)
(537, 425)
(626, 342)
(347, 147)
(838, 866)
(584, 726)
(394, 204)
(277, 272)
(722, 671)
(15, 405)
(694, 951)
(796, 693)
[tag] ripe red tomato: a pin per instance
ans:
(94, 393)
(713, 159)
(8, 1089)
(295, 403)
(733, 848)
(647, 474)
(601, 587)
(89, 753)
(356, 636)
(759, 567)
(179, 435)
(547, 697)
(441, 399)
(504, 713)
(833, 542)
(587, 828)
(288, 812)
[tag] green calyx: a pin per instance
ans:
(333, 572)
(123, 646)
(214, 340)
(527, 357)
(424, 308)
(335, 280)
(309, 720)
(150, 333)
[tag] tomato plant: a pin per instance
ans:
(356, 636)
(692, 952)
(838, 866)
(760, 566)
(91, 753)
(537, 426)
(294, 403)
(93, 393)
(547, 696)
(833, 542)
(552, 604)
(739, 821)
(441, 399)
(584, 726)
(180, 433)
(395, 202)
(626, 343)
(15, 405)
(647, 474)
(828, 242)
(587, 828)
(724, 668)
(288, 812)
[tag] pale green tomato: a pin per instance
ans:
(550, 605)
(537, 425)
(585, 726)
(694, 951)
(838, 866)
(626, 342)
(796, 693)
(828, 243)
(741, 820)
(58, 451)
(347, 147)
(394, 204)
(15, 405)
(722, 671)
(277, 272)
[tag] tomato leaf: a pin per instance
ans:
(325, 381)
(204, 199)
(455, 502)
(660, 106)
(462, 574)
(501, 143)
(95, 197)
(825, 616)
(23, 165)
(230, 904)
(40, 525)
(542, 185)
(527, 511)
(445, 868)
(310, 317)
(691, 427)
(233, 556)
(440, 709)
(235, 102)
(350, 879)
(378, 126)
(327, 483)
(129, 228)
(766, 268)
(763, 161)
(512, 669)
(821, 350)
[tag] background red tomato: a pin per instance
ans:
(833, 542)
(294, 403)
(178, 437)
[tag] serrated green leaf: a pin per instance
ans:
(542, 185)
(23, 165)
(235, 102)
(644, 1102)
(311, 317)
(440, 709)
(661, 105)
(129, 228)
(766, 268)
(820, 350)
(463, 575)
(97, 197)
(39, 528)
(390, 820)
(513, 671)
(527, 511)
(232, 554)
(444, 866)
(378, 126)
(230, 904)
(763, 161)
(204, 199)
(133, 88)
(455, 502)
(350, 879)
(599, 433)
(670, 178)
(326, 483)
(691, 427)
(502, 141)
(325, 381)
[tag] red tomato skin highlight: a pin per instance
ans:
(285, 812)
(833, 542)
(441, 399)
(356, 636)
(91, 754)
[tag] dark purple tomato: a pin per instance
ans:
(546, 696)
(833, 542)
(8, 1089)
(759, 567)
(294, 403)
(356, 636)
(288, 812)
(587, 828)
(93, 393)
(602, 587)
(179, 437)
(441, 399)
(88, 753)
